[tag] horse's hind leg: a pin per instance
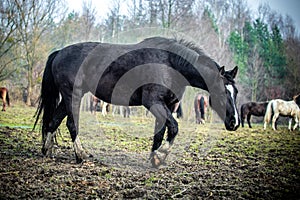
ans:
(275, 116)
(296, 123)
(242, 121)
(49, 129)
(248, 120)
(4, 102)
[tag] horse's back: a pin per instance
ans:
(99, 67)
(254, 108)
(71, 57)
(285, 107)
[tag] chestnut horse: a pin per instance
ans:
(200, 105)
(252, 108)
(5, 97)
(94, 101)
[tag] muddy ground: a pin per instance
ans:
(206, 162)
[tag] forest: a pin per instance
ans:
(263, 43)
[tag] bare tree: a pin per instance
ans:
(32, 19)
(292, 81)
(255, 74)
(113, 19)
(8, 38)
(88, 19)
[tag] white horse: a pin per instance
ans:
(285, 108)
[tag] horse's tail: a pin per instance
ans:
(269, 112)
(7, 97)
(49, 94)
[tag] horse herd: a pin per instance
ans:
(275, 108)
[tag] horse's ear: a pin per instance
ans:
(222, 70)
(234, 71)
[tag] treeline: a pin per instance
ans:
(264, 44)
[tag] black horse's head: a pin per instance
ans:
(232, 121)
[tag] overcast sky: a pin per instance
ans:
(290, 7)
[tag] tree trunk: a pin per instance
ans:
(29, 86)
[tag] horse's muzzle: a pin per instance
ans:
(232, 125)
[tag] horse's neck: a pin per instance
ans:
(198, 75)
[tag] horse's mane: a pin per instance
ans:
(197, 49)
(186, 52)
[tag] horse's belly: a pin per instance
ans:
(117, 96)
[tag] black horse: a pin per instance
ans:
(252, 108)
(152, 73)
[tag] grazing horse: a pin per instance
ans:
(94, 101)
(284, 108)
(200, 105)
(5, 97)
(153, 73)
(252, 108)
(122, 110)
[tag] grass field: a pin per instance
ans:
(206, 161)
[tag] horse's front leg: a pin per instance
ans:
(164, 119)
(4, 105)
(73, 124)
(159, 131)
(172, 126)
(296, 123)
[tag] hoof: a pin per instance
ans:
(81, 156)
(79, 160)
(48, 144)
(165, 149)
(155, 160)
(44, 151)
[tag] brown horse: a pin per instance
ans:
(5, 97)
(94, 101)
(252, 108)
(200, 105)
